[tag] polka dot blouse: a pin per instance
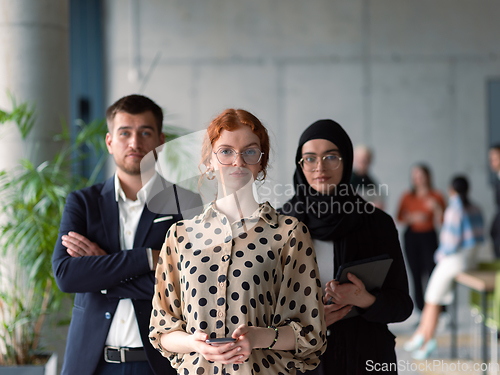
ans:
(214, 276)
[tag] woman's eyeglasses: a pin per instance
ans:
(227, 156)
(330, 162)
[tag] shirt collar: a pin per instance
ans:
(268, 213)
(265, 212)
(209, 212)
(142, 194)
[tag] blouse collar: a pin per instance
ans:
(265, 212)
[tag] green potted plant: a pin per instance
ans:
(32, 198)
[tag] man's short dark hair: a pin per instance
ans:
(134, 105)
(495, 147)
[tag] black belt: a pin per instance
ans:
(115, 354)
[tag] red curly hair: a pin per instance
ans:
(230, 120)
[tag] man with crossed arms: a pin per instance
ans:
(109, 242)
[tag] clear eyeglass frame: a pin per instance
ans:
(236, 156)
(323, 158)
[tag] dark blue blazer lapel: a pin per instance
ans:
(147, 219)
(144, 226)
(110, 215)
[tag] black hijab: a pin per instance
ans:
(361, 233)
(343, 204)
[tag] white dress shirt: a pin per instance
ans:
(324, 257)
(124, 330)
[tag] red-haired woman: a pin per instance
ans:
(238, 271)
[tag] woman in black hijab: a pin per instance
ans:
(346, 228)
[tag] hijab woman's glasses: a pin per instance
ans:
(310, 163)
(227, 156)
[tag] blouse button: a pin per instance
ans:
(225, 258)
(221, 285)
(220, 314)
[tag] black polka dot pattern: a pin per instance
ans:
(260, 271)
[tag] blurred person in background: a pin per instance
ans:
(494, 157)
(462, 232)
(362, 182)
(420, 209)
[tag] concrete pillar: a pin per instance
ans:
(34, 67)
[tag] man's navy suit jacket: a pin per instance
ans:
(100, 281)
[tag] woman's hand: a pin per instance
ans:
(349, 294)
(435, 207)
(439, 256)
(220, 353)
(431, 203)
(246, 338)
(251, 337)
(334, 312)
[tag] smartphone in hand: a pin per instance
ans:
(220, 340)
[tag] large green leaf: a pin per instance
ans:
(32, 198)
